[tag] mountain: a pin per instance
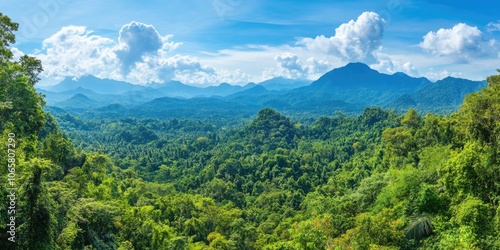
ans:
(257, 90)
(358, 84)
(360, 76)
(92, 86)
(226, 89)
(97, 85)
(79, 101)
(280, 83)
(178, 89)
(128, 98)
(55, 97)
(444, 95)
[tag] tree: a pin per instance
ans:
(411, 119)
(61, 151)
(20, 104)
(373, 231)
(7, 37)
(480, 113)
(37, 230)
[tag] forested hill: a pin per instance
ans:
(378, 180)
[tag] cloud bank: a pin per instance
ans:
(140, 55)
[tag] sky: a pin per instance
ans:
(208, 42)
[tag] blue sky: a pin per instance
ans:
(206, 42)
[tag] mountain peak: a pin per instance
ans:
(357, 65)
(225, 84)
(361, 76)
(80, 96)
(355, 68)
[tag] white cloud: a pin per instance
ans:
(289, 61)
(138, 39)
(290, 66)
(461, 41)
(74, 51)
(386, 64)
(353, 41)
(317, 67)
(493, 26)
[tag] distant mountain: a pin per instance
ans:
(445, 95)
(348, 89)
(257, 90)
(178, 89)
(224, 89)
(115, 90)
(280, 83)
(79, 101)
(128, 98)
(97, 85)
(360, 76)
(55, 97)
(359, 85)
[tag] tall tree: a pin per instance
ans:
(20, 104)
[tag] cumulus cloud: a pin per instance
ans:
(138, 39)
(74, 51)
(493, 26)
(290, 66)
(353, 41)
(317, 68)
(462, 41)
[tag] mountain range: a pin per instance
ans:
(349, 89)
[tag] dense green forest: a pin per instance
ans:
(379, 180)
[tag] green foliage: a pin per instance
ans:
(373, 231)
(411, 119)
(37, 229)
(7, 37)
(472, 212)
(480, 113)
